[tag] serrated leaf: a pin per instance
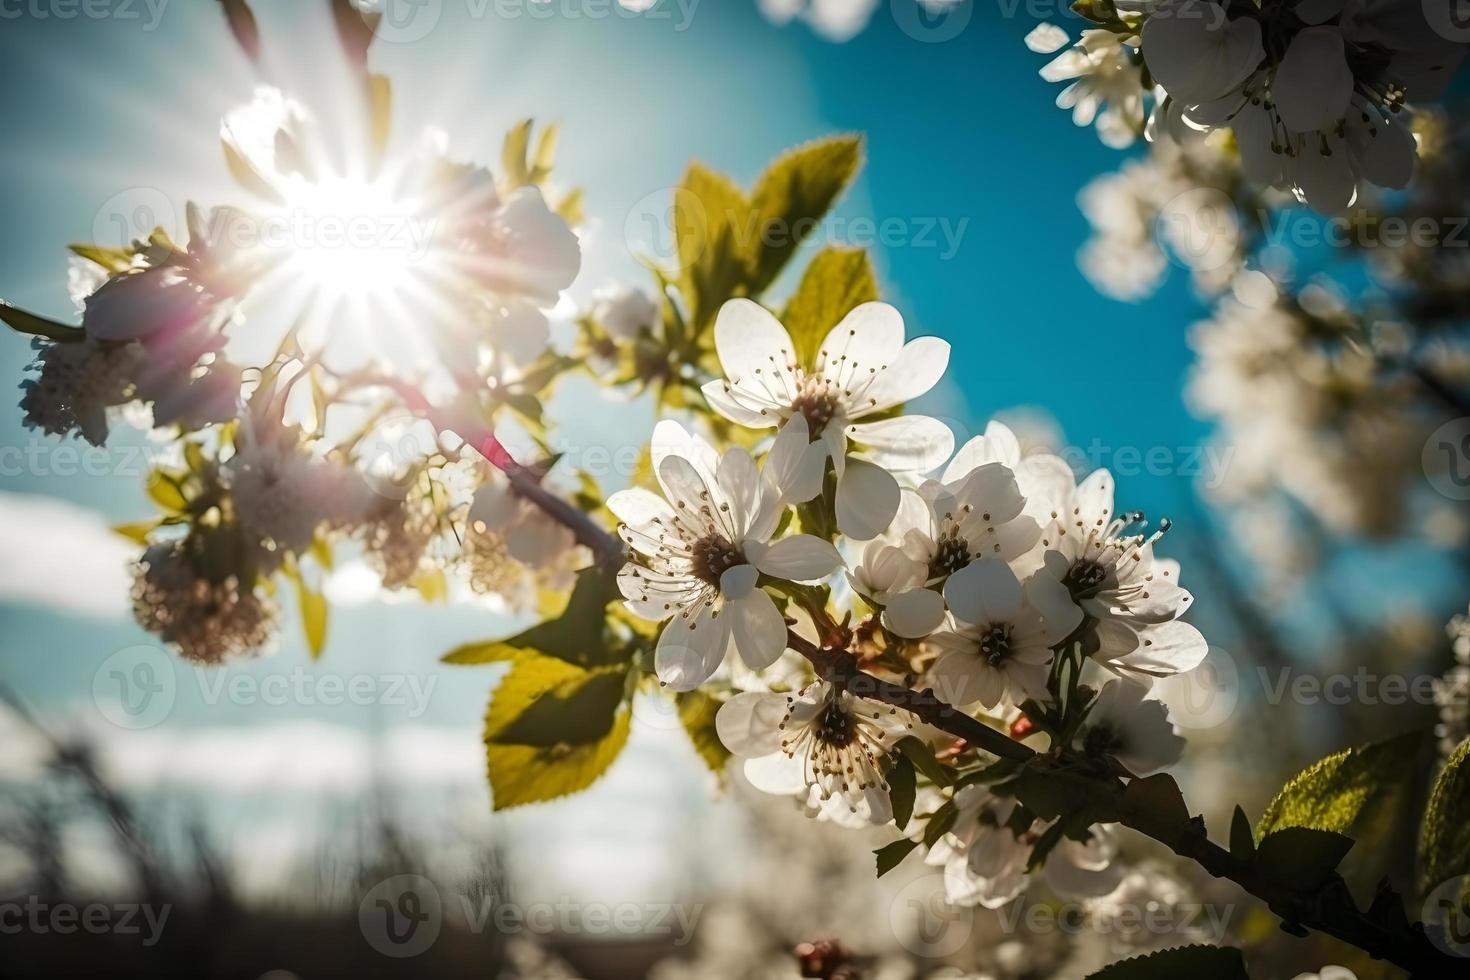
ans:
(697, 712)
(708, 210)
(1301, 857)
(1242, 843)
(575, 711)
(836, 281)
(891, 855)
(1194, 962)
(1336, 792)
(1156, 807)
(1444, 840)
(791, 198)
(37, 326)
(902, 788)
(521, 774)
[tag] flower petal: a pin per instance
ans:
(720, 399)
(795, 464)
(758, 629)
(916, 369)
(867, 499)
(997, 445)
(984, 591)
(749, 340)
(871, 336)
(915, 613)
(691, 650)
(906, 444)
(800, 558)
(749, 723)
(1313, 82)
(1049, 597)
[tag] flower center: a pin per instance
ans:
(951, 554)
(816, 398)
(995, 644)
(835, 727)
(1085, 578)
(713, 557)
(1101, 740)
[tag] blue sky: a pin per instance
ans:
(103, 117)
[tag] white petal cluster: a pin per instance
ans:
(704, 545)
(862, 369)
(820, 744)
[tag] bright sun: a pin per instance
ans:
(353, 239)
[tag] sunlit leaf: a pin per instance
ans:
(37, 326)
(1444, 842)
(164, 490)
(836, 281)
(1335, 793)
(793, 196)
(521, 774)
(697, 712)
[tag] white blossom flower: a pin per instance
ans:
(997, 647)
(821, 744)
(1092, 562)
(75, 384)
(984, 861)
(625, 312)
(282, 492)
(862, 368)
(1124, 723)
(703, 549)
(1108, 86)
(938, 530)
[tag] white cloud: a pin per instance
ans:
(59, 555)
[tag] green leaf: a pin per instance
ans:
(697, 712)
(513, 153)
(835, 282)
(940, 822)
(1155, 807)
(1242, 844)
(1338, 792)
(902, 788)
(574, 711)
(708, 210)
(792, 197)
(114, 260)
(313, 607)
(919, 752)
(891, 855)
(136, 532)
(578, 635)
(1444, 841)
(485, 652)
(1194, 962)
(1301, 857)
(164, 490)
(37, 326)
(521, 774)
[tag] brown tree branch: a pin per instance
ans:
(1382, 931)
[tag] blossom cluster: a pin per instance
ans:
(1317, 94)
(973, 581)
